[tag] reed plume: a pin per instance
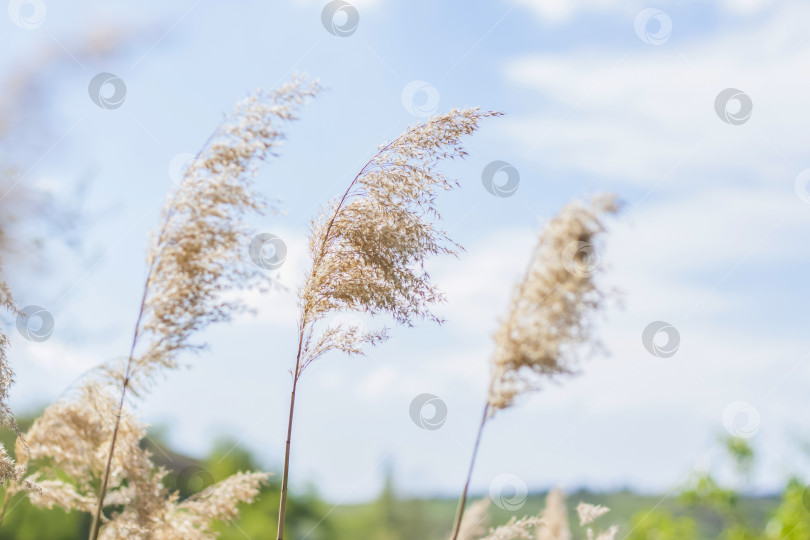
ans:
(550, 315)
(588, 513)
(516, 528)
(69, 441)
(197, 255)
(552, 524)
(368, 247)
(476, 521)
(9, 471)
(555, 518)
(12, 473)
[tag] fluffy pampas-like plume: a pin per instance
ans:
(515, 529)
(197, 255)
(369, 246)
(476, 521)
(555, 518)
(550, 316)
(588, 513)
(551, 525)
(69, 442)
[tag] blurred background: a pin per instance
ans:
(694, 113)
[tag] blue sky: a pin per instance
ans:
(711, 240)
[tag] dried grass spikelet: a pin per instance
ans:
(555, 518)
(369, 247)
(588, 513)
(11, 473)
(476, 521)
(516, 528)
(550, 315)
(552, 523)
(69, 444)
(197, 254)
(73, 436)
(190, 519)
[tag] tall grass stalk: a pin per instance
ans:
(198, 256)
(550, 315)
(368, 248)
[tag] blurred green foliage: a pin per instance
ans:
(704, 510)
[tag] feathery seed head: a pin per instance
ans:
(550, 314)
(369, 246)
(198, 253)
(71, 439)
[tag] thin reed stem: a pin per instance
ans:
(96, 526)
(6, 500)
(282, 505)
(463, 501)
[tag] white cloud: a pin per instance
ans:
(556, 11)
(646, 116)
(561, 10)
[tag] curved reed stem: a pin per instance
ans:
(463, 501)
(6, 500)
(282, 505)
(96, 526)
